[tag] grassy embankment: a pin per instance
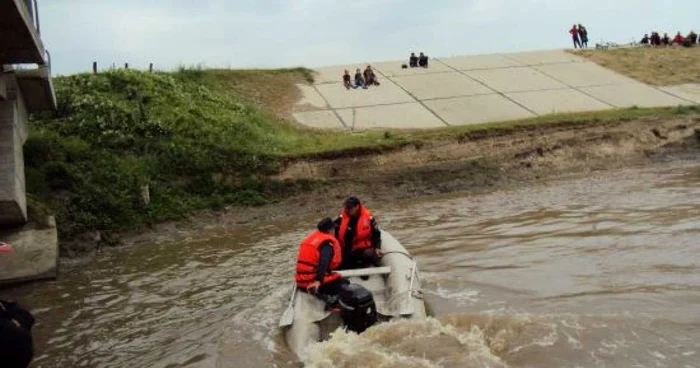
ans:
(664, 66)
(199, 139)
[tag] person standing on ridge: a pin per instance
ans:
(574, 36)
(359, 235)
(320, 255)
(583, 33)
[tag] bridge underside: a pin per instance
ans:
(19, 39)
(22, 92)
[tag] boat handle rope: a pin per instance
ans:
(400, 252)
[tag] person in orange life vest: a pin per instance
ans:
(358, 235)
(319, 256)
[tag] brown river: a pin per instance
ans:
(596, 271)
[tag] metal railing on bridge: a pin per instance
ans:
(33, 11)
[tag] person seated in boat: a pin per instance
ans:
(16, 342)
(359, 236)
(319, 257)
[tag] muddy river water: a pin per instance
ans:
(599, 271)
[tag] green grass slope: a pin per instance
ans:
(118, 131)
(198, 139)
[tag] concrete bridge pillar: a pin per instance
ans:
(13, 133)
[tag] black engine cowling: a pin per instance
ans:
(357, 308)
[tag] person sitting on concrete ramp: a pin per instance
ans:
(359, 236)
(359, 80)
(413, 60)
(320, 255)
(370, 77)
(347, 82)
(16, 342)
(583, 34)
(422, 61)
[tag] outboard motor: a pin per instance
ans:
(357, 308)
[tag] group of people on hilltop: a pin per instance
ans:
(656, 40)
(353, 240)
(362, 79)
(579, 34)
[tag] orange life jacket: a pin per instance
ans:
(310, 256)
(363, 233)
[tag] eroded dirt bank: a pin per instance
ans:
(472, 162)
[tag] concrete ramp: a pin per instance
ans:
(476, 89)
(34, 254)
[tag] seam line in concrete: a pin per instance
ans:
(331, 108)
(577, 89)
(672, 95)
(678, 96)
(580, 60)
(493, 92)
(414, 97)
(492, 89)
(584, 61)
(421, 103)
(511, 67)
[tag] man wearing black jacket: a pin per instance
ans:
(359, 236)
(16, 343)
(319, 257)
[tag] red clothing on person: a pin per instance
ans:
(309, 258)
(678, 39)
(574, 32)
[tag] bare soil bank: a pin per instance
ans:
(472, 162)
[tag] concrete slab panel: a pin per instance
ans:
(310, 98)
(544, 57)
(690, 92)
(400, 116)
(583, 74)
(334, 74)
(326, 119)
(478, 109)
(557, 101)
(634, 94)
(339, 97)
(515, 79)
(475, 62)
(393, 68)
(430, 86)
(34, 253)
